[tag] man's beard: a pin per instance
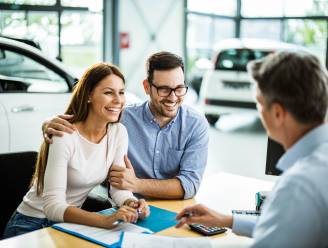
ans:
(162, 112)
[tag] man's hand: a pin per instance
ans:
(57, 126)
(203, 215)
(124, 177)
(140, 205)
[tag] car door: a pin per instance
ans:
(4, 130)
(31, 93)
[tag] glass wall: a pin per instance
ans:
(68, 30)
(302, 23)
(81, 39)
(208, 22)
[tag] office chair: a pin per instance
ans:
(16, 170)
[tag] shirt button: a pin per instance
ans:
(157, 151)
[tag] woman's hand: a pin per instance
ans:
(140, 205)
(125, 214)
(202, 215)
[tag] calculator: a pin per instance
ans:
(207, 231)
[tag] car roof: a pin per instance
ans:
(26, 41)
(32, 50)
(248, 43)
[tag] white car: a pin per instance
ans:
(227, 87)
(32, 88)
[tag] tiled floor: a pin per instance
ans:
(238, 145)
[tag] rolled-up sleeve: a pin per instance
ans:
(55, 179)
(194, 160)
(244, 224)
(120, 196)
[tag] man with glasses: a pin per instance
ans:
(168, 141)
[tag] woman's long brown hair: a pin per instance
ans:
(79, 108)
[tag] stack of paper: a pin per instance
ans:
(104, 237)
(138, 240)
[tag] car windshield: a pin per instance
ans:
(237, 59)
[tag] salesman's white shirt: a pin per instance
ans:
(296, 212)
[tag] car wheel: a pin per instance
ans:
(212, 119)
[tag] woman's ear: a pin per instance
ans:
(146, 86)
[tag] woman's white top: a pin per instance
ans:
(75, 166)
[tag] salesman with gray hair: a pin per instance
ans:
(292, 101)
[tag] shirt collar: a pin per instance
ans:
(303, 147)
(150, 117)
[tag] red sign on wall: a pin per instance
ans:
(124, 40)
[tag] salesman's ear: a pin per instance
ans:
(146, 86)
(279, 114)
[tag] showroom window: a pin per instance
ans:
(50, 23)
(289, 21)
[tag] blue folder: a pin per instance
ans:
(158, 220)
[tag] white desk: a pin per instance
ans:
(225, 192)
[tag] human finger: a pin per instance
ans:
(182, 222)
(116, 185)
(143, 209)
(115, 173)
(130, 213)
(61, 127)
(66, 116)
(115, 180)
(47, 138)
(115, 167)
(184, 212)
(127, 162)
(53, 132)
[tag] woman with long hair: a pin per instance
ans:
(69, 168)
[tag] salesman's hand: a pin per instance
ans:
(202, 215)
(124, 177)
(57, 126)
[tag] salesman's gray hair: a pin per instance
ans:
(295, 79)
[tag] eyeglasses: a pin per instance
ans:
(165, 91)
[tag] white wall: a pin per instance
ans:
(139, 18)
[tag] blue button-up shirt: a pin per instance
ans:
(296, 212)
(178, 150)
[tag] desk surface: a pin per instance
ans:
(221, 191)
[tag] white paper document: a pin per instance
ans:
(106, 236)
(139, 240)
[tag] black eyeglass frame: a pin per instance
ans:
(158, 88)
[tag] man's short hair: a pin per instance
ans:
(162, 61)
(295, 79)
